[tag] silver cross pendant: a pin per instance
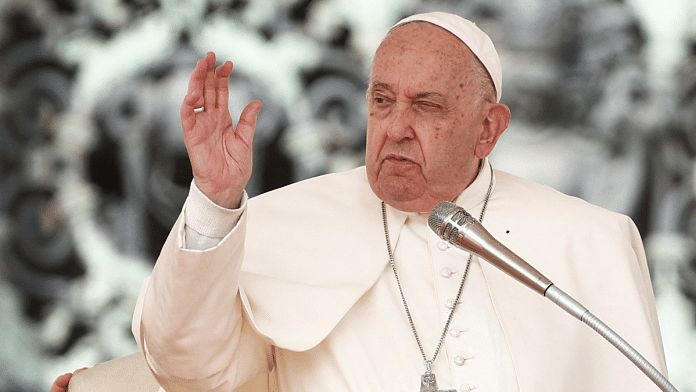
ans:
(429, 384)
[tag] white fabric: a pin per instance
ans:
(467, 31)
(124, 374)
(423, 262)
(326, 316)
(206, 222)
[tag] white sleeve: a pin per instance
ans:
(206, 223)
(189, 320)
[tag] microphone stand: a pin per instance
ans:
(567, 303)
(454, 225)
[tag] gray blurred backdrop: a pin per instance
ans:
(93, 170)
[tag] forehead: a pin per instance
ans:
(420, 51)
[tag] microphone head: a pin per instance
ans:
(439, 213)
(443, 216)
(454, 225)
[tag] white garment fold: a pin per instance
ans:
(317, 301)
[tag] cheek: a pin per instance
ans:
(370, 137)
(373, 145)
(449, 152)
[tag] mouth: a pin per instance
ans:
(397, 157)
(399, 160)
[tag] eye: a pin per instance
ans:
(380, 101)
(428, 105)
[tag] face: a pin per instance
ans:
(428, 128)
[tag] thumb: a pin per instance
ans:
(247, 122)
(61, 383)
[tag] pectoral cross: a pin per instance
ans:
(429, 384)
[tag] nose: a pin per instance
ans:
(400, 124)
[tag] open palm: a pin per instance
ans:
(220, 153)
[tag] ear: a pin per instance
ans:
(494, 124)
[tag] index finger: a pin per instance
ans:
(209, 92)
(194, 96)
(198, 76)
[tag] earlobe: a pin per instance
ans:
(494, 124)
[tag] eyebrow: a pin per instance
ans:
(380, 84)
(425, 94)
(429, 94)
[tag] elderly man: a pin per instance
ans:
(337, 284)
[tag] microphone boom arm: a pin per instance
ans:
(454, 225)
(567, 303)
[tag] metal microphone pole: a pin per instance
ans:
(454, 225)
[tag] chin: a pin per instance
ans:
(405, 199)
(402, 193)
(412, 205)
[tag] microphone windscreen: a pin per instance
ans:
(439, 214)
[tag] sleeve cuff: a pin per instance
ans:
(207, 218)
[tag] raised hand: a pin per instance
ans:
(220, 153)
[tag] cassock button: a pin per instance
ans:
(459, 360)
(455, 333)
(446, 272)
(467, 388)
(442, 246)
(450, 304)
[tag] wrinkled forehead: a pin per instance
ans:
(474, 38)
(422, 32)
(422, 37)
(420, 48)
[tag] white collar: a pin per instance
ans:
(475, 194)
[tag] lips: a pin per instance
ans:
(399, 164)
(399, 159)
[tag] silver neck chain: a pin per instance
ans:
(429, 363)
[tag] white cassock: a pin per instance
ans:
(300, 286)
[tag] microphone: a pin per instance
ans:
(454, 225)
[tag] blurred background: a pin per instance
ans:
(93, 170)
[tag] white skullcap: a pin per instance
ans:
(478, 41)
